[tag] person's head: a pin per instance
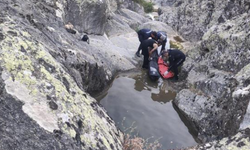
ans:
(162, 38)
(154, 34)
(165, 55)
(159, 43)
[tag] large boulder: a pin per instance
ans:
(131, 18)
(47, 75)
(88, 16)
(55, 107)
(131, 5)
(193, 18)
(123, 21)
(239, 141)
(164, 2)
(218, 80)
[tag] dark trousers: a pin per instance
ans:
(175, 66)
(163, 45)
(145, 53)
(141, 39)
(145, 62)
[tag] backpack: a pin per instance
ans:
(85, 38)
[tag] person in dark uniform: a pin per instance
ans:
(143, 35)
(148, 47)
(162, 38)
(175, 58)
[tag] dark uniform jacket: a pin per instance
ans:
(144, 34)
(162, 34)
(176, 58)
(147, 43)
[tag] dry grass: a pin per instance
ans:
(136, 142)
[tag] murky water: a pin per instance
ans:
(133, 100)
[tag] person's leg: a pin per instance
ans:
(138, 51)
(140, 47)
(175, 68)
(145, 62)
(146, 56)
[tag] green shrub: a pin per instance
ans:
(148, 6)
(175, 45)
(138, 1)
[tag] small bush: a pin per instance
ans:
(138, 143)
(148, 6)
(135, 142)
(139, 1)
(175, 45)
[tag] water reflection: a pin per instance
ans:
(147, 105)
(159, 90)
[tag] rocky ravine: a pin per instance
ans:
(216, 72)
(47, 72)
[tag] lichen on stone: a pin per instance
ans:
(28, 63)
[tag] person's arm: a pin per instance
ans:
(171, 64)
(163, 45)
(155, 48)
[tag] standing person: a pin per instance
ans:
(143, 35)
(162, 38)
(148, 47)
(175, 58)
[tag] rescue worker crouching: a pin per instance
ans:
(175, 58)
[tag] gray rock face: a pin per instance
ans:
(214, 118)
(88, 16)
(19, 131)
(239, 141)
(131, 18)
(45, 74)
(164, 2)
(218, 94)
(123, 21)
(193, 18)
(229, 41)
(131, 5)
(217, 98)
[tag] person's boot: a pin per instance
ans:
(145, 66)
(176, 78)
(137, 54)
